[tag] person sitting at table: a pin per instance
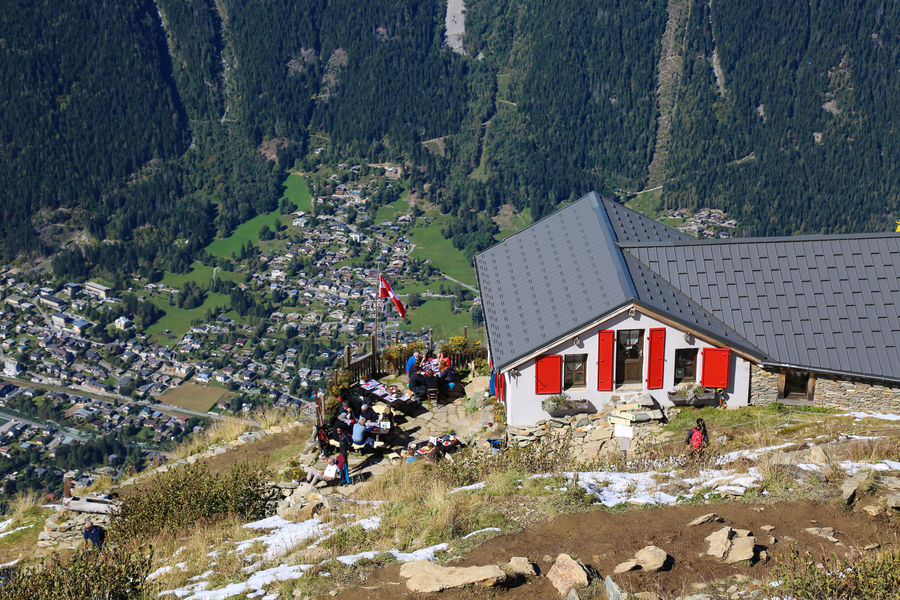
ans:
(367, 414)
(387, 417)
(345, 414)
(432, 380)
(361, 436)
(413, 363)
(417, 385)
(446, 377)
(329, 474)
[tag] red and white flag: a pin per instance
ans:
(385, 291)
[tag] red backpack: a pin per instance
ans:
(696, 438)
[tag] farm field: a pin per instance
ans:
(193, 396)
(295, 190)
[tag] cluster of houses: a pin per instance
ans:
(705, 223)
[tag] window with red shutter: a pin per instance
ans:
(657, 358)
(606, 360)
(715, 367)
(501, 388)
(548, 374)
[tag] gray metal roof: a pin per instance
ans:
(826, 303)
(550, 278)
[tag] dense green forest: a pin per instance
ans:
(128, 150)
(804, 137)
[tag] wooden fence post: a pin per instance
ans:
(465, 332)
(347, 357)
(430, 337)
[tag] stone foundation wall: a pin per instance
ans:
(856, 395)
(763, 386)
(833, 392)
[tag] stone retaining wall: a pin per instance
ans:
(835, 392)
(856, 395)
(763, 386)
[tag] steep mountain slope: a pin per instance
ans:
(799, 133)
(80, 112)
(781, 114)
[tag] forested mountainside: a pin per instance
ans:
(146, 131)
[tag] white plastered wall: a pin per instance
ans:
(523, 404)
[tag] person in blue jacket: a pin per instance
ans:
(412, 363)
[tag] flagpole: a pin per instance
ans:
(377, 301)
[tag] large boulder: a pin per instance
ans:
(719, 542)
(742, 548)
(651, 558)
(567, 573)
(520, 565)
(427, 577)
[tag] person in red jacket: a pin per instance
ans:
(697, 438)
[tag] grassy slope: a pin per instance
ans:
(435, 313)
(179, 320)
(431, 244)
(200, 274)
(295, 190)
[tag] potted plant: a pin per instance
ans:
(562, 405)
(691, 395)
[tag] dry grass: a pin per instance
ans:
(873, 450)
(23, 503)
(226, 431)
(419, 510)
(206, 547)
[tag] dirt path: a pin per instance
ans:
(602, 540)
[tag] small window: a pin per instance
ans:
(575, 370)
(686, 365)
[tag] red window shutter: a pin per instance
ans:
(657, 358)
(715, 367)
(606, 360)
(501, 388)
(548, 374)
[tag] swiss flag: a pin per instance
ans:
(385, 291)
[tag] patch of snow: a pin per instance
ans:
(203, 575)
(750, 454)
(871, 415)
(370, 523)
(9, 564)
(468, 535)
(612, 488)
(283, 535)
(421, 554)
(5, 524)
(10, 532)
(158, 572)
(253, 585)
(466, 488)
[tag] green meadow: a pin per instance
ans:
(295, 190)
(444, 256)
(179, 320)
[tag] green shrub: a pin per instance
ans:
(872, 576)
(180, 498)
(111, 575)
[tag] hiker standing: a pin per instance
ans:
(697, 438)
(94, 534)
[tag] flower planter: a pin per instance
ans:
(573, 407)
